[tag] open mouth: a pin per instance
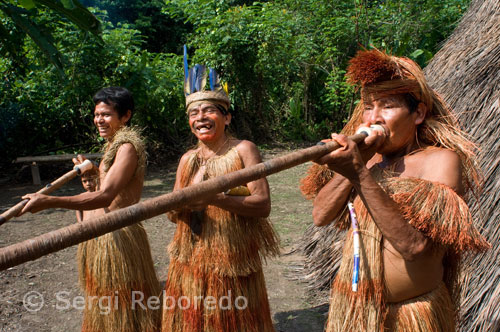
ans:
(203, 128)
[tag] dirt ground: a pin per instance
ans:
(54, 278)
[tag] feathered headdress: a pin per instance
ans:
(195, 80)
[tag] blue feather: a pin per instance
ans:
(197, 78)
(211, 73)
(187, 86)
(186, 69)
(214, 80)
(191, 80)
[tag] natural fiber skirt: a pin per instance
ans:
(197, 301)
(116, 272)
(431, 312)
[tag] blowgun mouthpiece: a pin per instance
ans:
(83, 167)
(368, 130)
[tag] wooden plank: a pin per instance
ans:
(58, 157)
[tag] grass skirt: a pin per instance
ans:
(111, 267)
(431, 312)
(196, 301)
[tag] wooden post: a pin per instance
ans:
(35, 174)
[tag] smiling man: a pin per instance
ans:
(215, 281)
(406, 185)
(115, 268)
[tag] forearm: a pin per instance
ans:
(407, 240)
(331, 200)
(251, 206)
(84, 201)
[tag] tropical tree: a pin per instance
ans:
(19, 18)
(286, 59)
(162, 33)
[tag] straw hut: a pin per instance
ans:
(466, 72)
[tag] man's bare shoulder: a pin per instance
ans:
(248, 152)
(437, 165)
(244, 146)
(432, 158)
(127, 149)
(126, 156)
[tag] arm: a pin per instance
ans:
(332, 198)
(180, 167)
(79, 215)
(257, 204)
(118, 176)
(441, 166)
(172, 214)
(408, 241)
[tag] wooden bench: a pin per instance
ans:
(34, 160)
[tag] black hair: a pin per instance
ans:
(411, 102)
(117, 97)
(222, 109)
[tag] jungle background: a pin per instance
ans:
(284, 61)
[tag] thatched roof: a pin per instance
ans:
(466, 72)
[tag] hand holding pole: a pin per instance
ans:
(51, 187)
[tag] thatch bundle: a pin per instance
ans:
(322, 250)
(321, 246)
(466, 72)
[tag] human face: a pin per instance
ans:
(207, 122)
(108, 121)
(393, 114)
(88, 183)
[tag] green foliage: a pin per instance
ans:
(412, 28)
(273, 50)
(42, 113)
(284, 60)
(24, 13)
(161, 32)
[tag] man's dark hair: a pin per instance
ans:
(117, 97)
(411, 102)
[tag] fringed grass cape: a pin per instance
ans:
(221, 257)
(440, 214)
(114, 265)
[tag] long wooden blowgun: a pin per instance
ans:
(79, 232)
